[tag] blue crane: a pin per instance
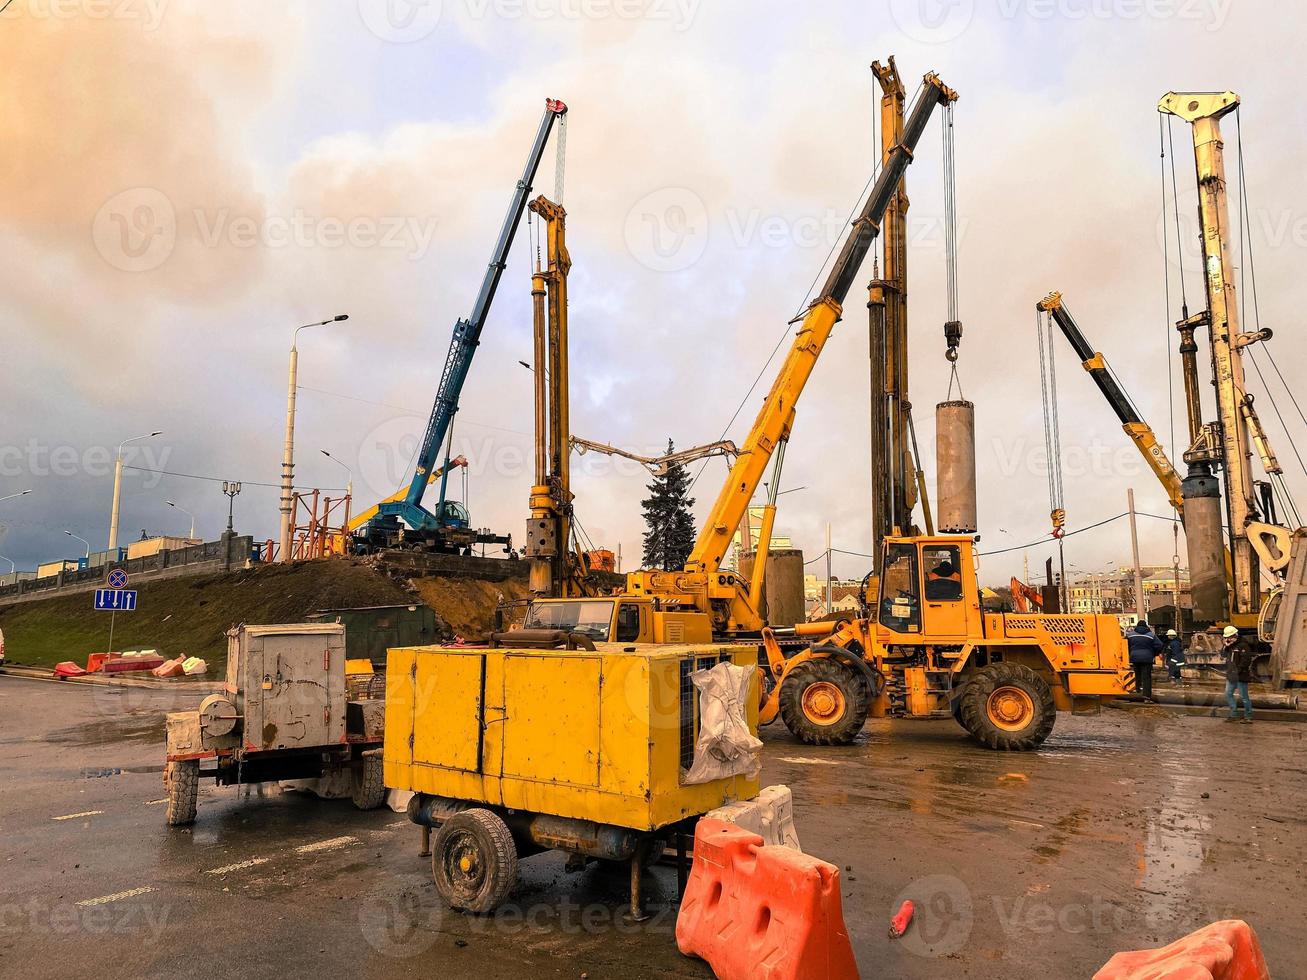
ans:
(434, 526)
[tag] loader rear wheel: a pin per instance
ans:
(824, 702)
(474, 861)
(1008, 707)
(183, 780)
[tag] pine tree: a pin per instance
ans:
(670, 534)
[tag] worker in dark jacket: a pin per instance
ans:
(1144, 648)
(1238, 672)
(1174, 655)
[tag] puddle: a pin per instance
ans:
(110, 730)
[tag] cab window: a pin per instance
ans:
(943, 564)
(900, 603)
(628, 623)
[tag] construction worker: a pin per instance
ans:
(1238, 672)
(944, 583)
(1174, 655)
(1144, 648)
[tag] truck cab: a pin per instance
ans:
(618, 619)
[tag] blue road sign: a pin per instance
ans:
(117, 579)
(115, 600)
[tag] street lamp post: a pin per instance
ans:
(118, 486)
(11, 496)
(83, 540)
(288, 453)
(349, 484)
(13, 569)
(231, 489)
(187, 513)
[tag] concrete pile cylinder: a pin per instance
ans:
(955, 467)
(783, 603)
(1203, 522)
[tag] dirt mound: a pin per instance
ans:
(467, 605)
(191, 615)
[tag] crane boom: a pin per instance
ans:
(463, 345)
(702, 586)
(772, 423)
(1140, 433)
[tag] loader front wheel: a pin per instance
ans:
(183, 780)
(474, 861)
(1008, 707)
(824, 702)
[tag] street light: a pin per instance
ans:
(349, 485)
(288, 455)
(118, 486)
(13, 569)
(187, 513)
(83, 540)
(20, 493)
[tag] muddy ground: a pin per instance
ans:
(1126, 831)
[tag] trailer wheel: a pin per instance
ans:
(1008, 707)
(369, 781)
(474, 861)
(824, 702)
(183, 781)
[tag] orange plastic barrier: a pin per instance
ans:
(96, 661)
(67, 668)
(1226, 950)
(758, 912)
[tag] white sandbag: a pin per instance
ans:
(725, 746)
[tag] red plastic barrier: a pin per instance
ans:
(1226, 950)
(757, 912)
(67, 668)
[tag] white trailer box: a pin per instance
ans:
(288, 684)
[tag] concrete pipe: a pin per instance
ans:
(955, 466)
(1203, 519)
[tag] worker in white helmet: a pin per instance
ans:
(1238, 672)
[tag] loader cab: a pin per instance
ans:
(928, 590)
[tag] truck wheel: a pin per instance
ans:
(1008, 707)
(369, 789)
(183, 780)
(474, 861)
(823, 702)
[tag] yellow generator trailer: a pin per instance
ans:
(931, 651)
(523, 747)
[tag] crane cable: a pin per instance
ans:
(1248, 271)
(953, 323)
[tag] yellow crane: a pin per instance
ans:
(703, 601)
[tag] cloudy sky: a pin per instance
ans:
(181, 184)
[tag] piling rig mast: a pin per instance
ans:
(1256, 541)
(897, 480)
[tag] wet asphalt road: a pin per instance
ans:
(1126, 831)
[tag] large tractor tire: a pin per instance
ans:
(474, 861)
(824, 702)
(1008, 707)
(183, 781)
(368, 779)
